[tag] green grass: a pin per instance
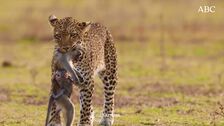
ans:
(186, 92)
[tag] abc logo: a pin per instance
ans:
(206, 9)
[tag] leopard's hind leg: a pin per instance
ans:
(109, 79)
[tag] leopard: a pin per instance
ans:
(92, 53)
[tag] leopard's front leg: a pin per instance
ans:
(86, 110)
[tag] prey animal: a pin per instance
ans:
(61, 97)
(83, 50)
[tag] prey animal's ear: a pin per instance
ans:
(53, 20)
(85, 26)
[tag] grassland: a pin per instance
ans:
(184, 88)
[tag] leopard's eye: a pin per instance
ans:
(57, 36)
(79, 42)
(73, 35)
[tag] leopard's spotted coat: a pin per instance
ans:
(98, 56)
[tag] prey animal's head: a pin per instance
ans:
(68, 32)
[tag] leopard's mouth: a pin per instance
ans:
(63, 49)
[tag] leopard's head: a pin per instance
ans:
(68, 32)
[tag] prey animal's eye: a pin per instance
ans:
(57, 36)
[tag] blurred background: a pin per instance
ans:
(170, 60)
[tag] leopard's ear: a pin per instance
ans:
(53, 20)
(85, 26)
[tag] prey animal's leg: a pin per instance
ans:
(64, 101)
(86, 110)
(67, 109)
(53, 114)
